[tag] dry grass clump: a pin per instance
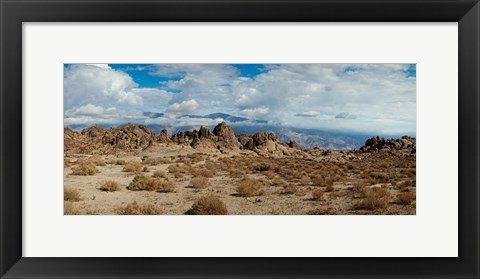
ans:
(159, 174)
(317, 195)
(203, 172)
(120, 162)
(133, 166)
(374, 198)
(139, 209)
(174, 168)
(249, 188)
(209, 205)
(85, 168)
(290, 188)
(97, 160)
(318, 180)
(262, 167)
(329, 185)
(70, 194)
(406, 184)
(70, 209)
(406, 197)
(199, 183)
(110, 186)
(278, 182)
(144, 183)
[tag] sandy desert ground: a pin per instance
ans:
(239, 182)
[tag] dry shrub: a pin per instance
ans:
(120, 162)
(159, 174)
(249, 188)
(110, 186)
(406, 184)
(199, 183)
(178, 175)
(305, 180)
(144, 183)
(70, 209)
(174, 168)
(318, 180)
(97, 160)
(132, 166)
(406, 197)
(374, 198)
(70, 194)
(262, 167)
(278, 182)
(139, 209)
(269, 174)
(317, 195)
(329, 185)
(209, 205)
(204, 172)
(85, 168)
(150, 161)
(290, 188)
(145, 169)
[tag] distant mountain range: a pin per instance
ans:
(307, 138)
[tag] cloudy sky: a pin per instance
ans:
(358, 98)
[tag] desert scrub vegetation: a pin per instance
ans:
(199, 183)
(110, 186)
(143, 183)
(139, 209)
(374, 198)
(70, 209)
(120, 162)
(70, 194)
(290, 188)
(317, 195)
(97, 160)
(209, 205)
(249, 188)
(133, 166)
(159, 174)
(85, 168)
(406, 197)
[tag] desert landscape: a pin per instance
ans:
(133, 171)
(239, 139)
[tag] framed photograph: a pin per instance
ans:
(239, 139)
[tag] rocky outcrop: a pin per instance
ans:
(98, 140)
(225, 137)
(403, 146)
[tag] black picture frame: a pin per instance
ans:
(14, 12)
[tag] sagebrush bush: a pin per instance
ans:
(209, 205)
(70, 209)
(139, 209)
(317, 195)
(132, 166)
(159, 174)
(329, 185)
(110, 186)
(85, 168)
(70, 194)
(144, 183)
(290, 188)
(374, 198)
(249, 187)
(318, 180)
(199, 183)
(97, 160)
(406, 197)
